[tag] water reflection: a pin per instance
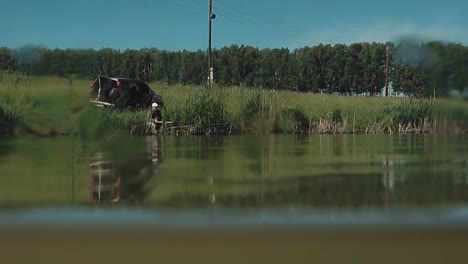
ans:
(249, 180)
(104, 183)
(241, 172)
(392, 172)
(122, 171)
(312, 172)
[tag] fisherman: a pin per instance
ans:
(154, 119)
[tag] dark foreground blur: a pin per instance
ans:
(234, 246)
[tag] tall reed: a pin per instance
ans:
(203, 110)
(15, 103)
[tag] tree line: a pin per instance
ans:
(423, 69)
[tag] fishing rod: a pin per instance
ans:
(148, 127)
(164, 122)
(198, 125)
(189, 125)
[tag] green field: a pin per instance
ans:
(50, 106)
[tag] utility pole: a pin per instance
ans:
(387, 72)
(211, 16)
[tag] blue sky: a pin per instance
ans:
(183, 24)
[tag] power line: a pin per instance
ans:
(272, 31)
(267, 24)
(183, 3)
(254, 25)
(267, 20)
(247, 17)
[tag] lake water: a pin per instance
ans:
(236, 181)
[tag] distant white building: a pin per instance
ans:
(391, 92)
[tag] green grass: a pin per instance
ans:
(263, 111)
(57, 102)
(52, 105)
(15, 104)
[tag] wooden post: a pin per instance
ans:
(387, 72)
(210, 17)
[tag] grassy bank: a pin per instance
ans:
(200, 110)
(15, 103)
(51, 105)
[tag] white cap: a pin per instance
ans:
(154, 104)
